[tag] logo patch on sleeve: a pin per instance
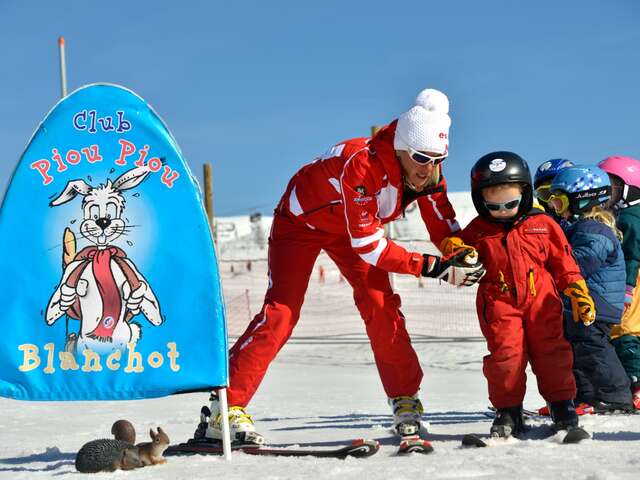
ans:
(536, 229)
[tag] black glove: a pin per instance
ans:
(461, 268)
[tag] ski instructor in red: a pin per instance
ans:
(339, 203)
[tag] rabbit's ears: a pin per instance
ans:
(73, 188)
(131, 178)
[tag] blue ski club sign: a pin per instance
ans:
(109, 271)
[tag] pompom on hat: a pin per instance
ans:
(425, 126)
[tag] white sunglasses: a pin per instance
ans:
(422, 158)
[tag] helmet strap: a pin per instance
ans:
(434, 181)
(410, 185)
(630, 196)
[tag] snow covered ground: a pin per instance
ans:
(323, 390)
(325, 395)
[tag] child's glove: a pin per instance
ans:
(582, 307)
(454, 245)
(460, 269)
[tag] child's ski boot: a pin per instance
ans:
(564, 416)
(407, 414)
(508, 422)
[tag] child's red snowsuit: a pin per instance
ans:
(519, 307)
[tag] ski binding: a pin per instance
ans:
(414, 444)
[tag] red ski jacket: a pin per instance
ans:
(524, 258)
(357, 187)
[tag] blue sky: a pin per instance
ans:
(260, 88)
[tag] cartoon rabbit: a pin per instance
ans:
(101, 286)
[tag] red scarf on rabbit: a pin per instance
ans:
(109, 292)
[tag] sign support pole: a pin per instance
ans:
(224, 411)
(63, 68)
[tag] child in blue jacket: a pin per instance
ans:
(579, 194)
(624, 173)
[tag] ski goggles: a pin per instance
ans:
(509, 205)
(559, 202)
(543, 193)
(422, 158)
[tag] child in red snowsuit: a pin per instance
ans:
(528, 261)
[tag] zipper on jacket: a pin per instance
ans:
(532, 283)
(326, 205)
(504, 287)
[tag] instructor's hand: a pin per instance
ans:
(460, 268)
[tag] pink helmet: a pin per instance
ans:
(627, 168)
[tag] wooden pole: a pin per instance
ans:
(63, 67)
(222, 393)
(208, 199)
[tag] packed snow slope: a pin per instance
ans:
(326, 395)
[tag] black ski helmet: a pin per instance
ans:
(496, 168)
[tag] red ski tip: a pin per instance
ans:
(418, 445)
(362, 441)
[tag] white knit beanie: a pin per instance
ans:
(425, 126)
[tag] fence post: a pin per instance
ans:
(246, 296)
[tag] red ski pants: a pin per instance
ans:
(516, 334)
(293, 249)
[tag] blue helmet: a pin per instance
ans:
(584, 186)
(550, 169)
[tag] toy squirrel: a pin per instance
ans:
(108, 455)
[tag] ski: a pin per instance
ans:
(581, 409)
(574, 435)
(414, 444)
(360, 448)
(471, 440)
(586, 409)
